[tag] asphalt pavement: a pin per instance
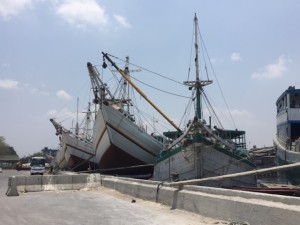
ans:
(102, 206)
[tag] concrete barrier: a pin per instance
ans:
(255, 208)
(12, 187)
(52, 182)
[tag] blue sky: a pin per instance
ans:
(45, 45)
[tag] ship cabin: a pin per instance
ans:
(288, 116)
(236, 137)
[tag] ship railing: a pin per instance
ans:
(281, 142)
(288, 144)
(227, 145)
(297, 145)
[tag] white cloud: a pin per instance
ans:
(45, 93)
(216, 60)
(122, 21)
(5, 64)
(8, 84)
(240, 113)
(67, 117)
(63, 95)
(82, 12)
(33, 90)
(10, 8)
(53, 113)
(272, 71)
(235, 56)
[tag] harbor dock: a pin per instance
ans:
(102, 205)
(224, 206)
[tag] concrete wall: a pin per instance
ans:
(255, 208)
(56, 182)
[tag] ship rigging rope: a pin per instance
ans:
(60, 113)
(159, 89)
(192, 45)
(211, 109)
(118, 81)
(141, 114)
(187, 109)
(204, 50)
(150, 71)
(167, 92)
(203, 55)
(214, 73)
(297, 83)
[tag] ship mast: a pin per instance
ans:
(87, 129)
(198, 84)
(126, 88)
(105, 55)
(77, 126)
(97, 84)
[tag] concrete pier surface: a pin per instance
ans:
(98, 206)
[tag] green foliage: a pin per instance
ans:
(2, 142)
(5, 149)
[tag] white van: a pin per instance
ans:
(37, 165)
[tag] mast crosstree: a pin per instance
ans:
(198, 84)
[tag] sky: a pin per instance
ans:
(45, 45)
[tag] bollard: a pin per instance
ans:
(12, 187)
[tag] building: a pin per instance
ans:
(49, 152)
(8, 158)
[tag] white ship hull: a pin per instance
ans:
(117, 142)
(200, 161)
(286, 155)
(74, 153)
(287, 139)
(60, 157)
(120, 143)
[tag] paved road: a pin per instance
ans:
(103, 206)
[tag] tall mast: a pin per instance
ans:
(198, 84)
(77, 126)
(126, 88)
(87, 129)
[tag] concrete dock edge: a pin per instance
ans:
(254, 208)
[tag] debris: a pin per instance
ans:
(239, 223)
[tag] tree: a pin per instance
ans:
(2, 142)
(5, 149)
